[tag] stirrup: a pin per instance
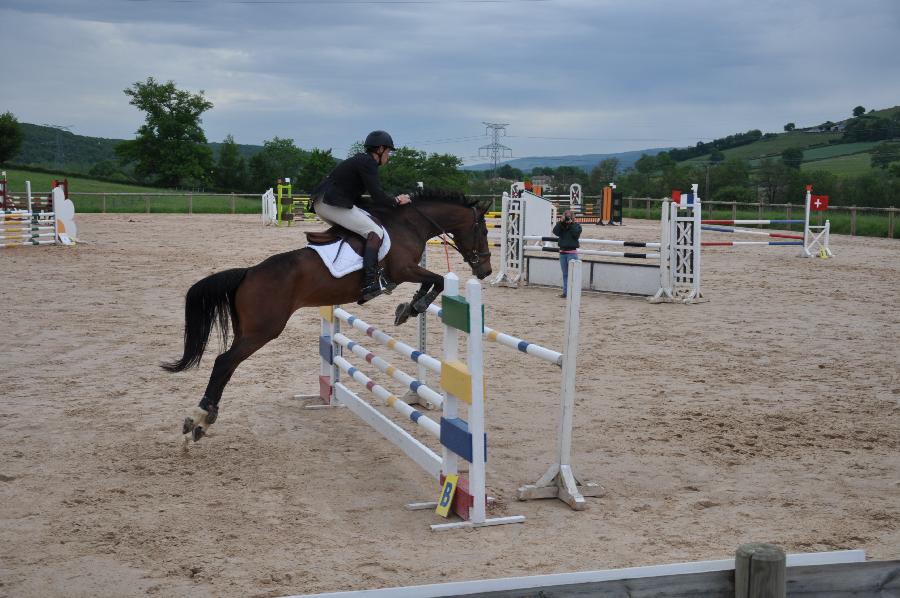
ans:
(387, 285)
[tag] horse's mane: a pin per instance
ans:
(441, 195)
(444, 196)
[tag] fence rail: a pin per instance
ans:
(852, 220)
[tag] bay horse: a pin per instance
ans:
(258, 301)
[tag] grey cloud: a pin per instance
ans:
(606, 75)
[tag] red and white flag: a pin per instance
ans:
(818, 203)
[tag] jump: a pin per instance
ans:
(255, 303)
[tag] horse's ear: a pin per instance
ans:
(485, 204)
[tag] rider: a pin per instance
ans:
(336, 200)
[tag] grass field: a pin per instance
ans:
(852, 165)
(40, 183)
(843, 149)
(774, 147)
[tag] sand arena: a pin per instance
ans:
(770, 413)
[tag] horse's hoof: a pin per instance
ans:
(421, 306)
(198, 433)
(401, 314)
(188, 425)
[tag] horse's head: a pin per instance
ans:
(475, 247)
(451, 212)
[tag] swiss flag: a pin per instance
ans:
(818, 203)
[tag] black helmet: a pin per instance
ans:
(377, 139)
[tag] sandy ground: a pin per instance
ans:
(770, 413)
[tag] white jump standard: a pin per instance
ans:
(559, 481)
(459, 382)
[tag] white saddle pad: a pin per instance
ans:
(341, 260)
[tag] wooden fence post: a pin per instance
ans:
(852, 221)
(734, 210)
(190, 203)
(146, 204)
(103, 209)
(891, 212)
(232, 203)
(759, 571)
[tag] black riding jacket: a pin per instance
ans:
(348, 181)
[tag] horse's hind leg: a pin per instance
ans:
(204, 415)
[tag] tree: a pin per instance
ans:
(11, 136)
(885, 153)
(279, 158)
(508, 172)
(733, 172)
(315, 168)
(231, 169)
(646, 164)
(774, 179)
(170, 148)
(716, 157)
(790, 127)
(408, 166)
(792, 157)
(859, 111)
(607, 171)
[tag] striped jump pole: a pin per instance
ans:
(814, 240)
(459, 382)
(21, 228)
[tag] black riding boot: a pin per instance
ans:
(371, 287)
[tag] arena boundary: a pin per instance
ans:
(809, 574)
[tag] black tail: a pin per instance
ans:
(208, 302)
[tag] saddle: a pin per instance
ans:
(338, 233)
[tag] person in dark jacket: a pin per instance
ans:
(568, 232)
(336, 201)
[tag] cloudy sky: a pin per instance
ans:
(568, 76)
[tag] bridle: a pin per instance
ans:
(472, 257)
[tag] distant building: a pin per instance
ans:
(543, 181)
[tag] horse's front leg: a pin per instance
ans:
(431, 286)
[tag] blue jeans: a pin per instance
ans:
(564, 259)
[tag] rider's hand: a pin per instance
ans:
(402, 200)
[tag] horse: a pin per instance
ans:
(258, 301)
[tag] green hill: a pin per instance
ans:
(41, 183)
(822, 150)
(51, 148)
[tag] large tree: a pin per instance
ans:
(315, 168)
(408, 166)
(278, 159)
(170, 148)
(11, 136)
(607, 171)
(792, 156)
(231, 169)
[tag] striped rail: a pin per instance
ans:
(513, 342)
